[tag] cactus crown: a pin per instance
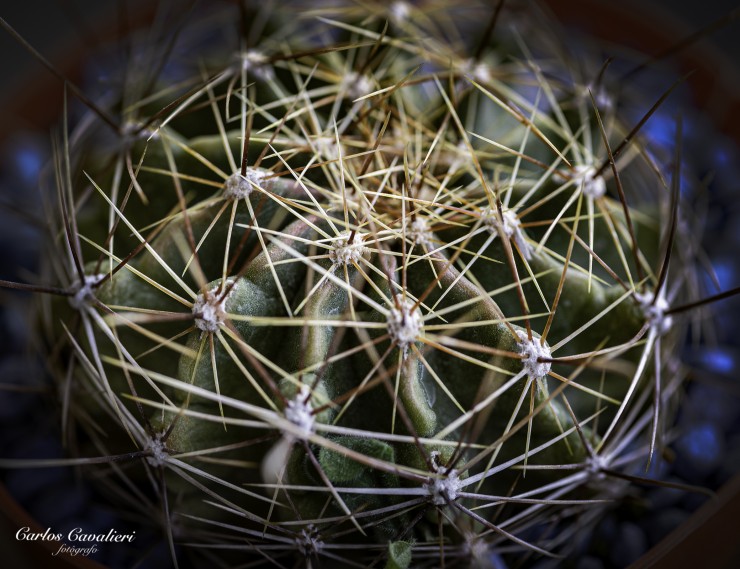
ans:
(372, 282)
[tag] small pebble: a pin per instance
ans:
(700, 451)
(630, 544)
(663, 522)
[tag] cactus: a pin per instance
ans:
(375, 283)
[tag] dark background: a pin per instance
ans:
(57, 28)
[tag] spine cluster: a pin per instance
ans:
(367, 283)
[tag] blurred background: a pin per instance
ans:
(63, 29)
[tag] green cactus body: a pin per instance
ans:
(360, 334)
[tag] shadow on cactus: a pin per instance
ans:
(367, 285)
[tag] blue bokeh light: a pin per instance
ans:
(718, 360)
(29, 162)
(702, 445)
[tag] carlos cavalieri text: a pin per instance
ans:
(76, 542)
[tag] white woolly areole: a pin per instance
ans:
(595, 466)
(357, 85)
(655, 312)
(85, 293)
(533, 350)
(237, 187)
(478, 71)
(604, 97)
(327, 148)
(257, 63)
(479, 550)
(210, 309)
(404, 324)
(418, 231)
(308, 542)
(157, 452)
(446, 489)
(594, 187)
(135, 130)
(346, 252)
(300, 412)
(400, 12)
(511, 227)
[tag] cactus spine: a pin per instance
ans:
(367, 284)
